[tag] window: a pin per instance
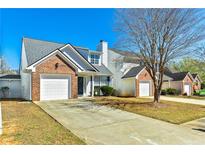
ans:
(97, 80)
(101, 80)
(94, 59)
(105, 80)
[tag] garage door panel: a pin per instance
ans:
(144, 89)
(54, 87)
(187, 89)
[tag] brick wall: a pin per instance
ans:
(187, 80)
(49, 67)
(144, 76)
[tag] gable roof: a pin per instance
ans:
(194, 75)
(37, 49)
(133, 72)
(81, 60)
(178, 76)
(10, 76)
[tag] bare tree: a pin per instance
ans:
(4, 68)
(200, 53)
(159, 35)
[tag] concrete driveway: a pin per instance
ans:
(104, 125)
(183, 100)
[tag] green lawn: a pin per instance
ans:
(26, 123)
(172, 112)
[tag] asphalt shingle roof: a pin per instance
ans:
(103, 69)
(133, 72)
(86, 65)
(10, 76)
(37, 49)
(84, 51)
(177, 76)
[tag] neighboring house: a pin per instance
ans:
(197, 82)
(52, 71)
(13, 82)
(130, 77)
(182, 81)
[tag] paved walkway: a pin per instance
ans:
(104, 125)
(183, 100)
(198, 125)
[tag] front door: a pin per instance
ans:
(80, 85)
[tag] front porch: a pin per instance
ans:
(89, 84)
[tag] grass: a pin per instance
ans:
(26, 123)
(172, 112)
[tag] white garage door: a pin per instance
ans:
(54, 87)
(187, 89)
(144, 88)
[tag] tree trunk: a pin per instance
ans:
(156, 96)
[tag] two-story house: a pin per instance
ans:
(52, 71)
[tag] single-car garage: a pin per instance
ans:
(55, 87)
(143, 85)
(144, 88)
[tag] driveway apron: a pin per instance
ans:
(97, 124)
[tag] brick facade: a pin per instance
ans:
(49, 67)
(144, 76)
(187, 80)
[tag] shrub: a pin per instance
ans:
(172, 91)
(5, 91)
(203, 85)
(202, 92)
(163, 92)
(115, 92)
(107, 91)
(196, 92)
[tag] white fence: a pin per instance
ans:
(14, 86)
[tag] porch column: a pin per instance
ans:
(92, 85)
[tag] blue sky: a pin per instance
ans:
(82, 27)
